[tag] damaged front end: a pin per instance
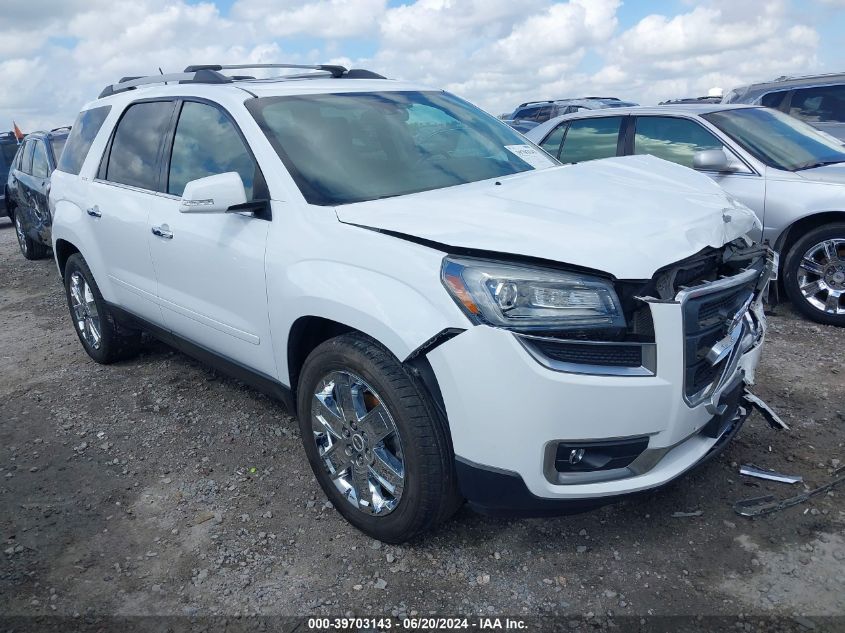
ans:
(720, 293)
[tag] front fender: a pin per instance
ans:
(401, 315)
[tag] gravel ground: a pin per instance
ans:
(157, 486)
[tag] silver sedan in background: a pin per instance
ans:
(791, 175)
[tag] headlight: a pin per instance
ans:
(522, 297)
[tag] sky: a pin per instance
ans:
(55, 56)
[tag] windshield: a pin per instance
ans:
(352, 147)
(778, 139)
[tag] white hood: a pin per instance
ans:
(625, 216)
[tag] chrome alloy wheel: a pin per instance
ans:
(358, 442)
(85, 310)
(821, 276)
(19, 232)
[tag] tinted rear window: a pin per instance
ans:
(84, 131)
(7, 155)
(134, 152)
(58, 144)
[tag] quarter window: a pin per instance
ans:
(82, 135)
(819, 105)
(773, 99)
(133, 159)
(672, 139)
(26, 162)
(207, 143)
(589, 139)
(552, 142)
(40, 166)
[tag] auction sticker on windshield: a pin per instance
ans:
(531, 155)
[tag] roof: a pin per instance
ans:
(676, 108)
(209, 82)
(752, 91)
(55, 132)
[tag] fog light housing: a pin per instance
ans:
(585, 457)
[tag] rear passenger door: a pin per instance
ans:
(210, 267)
(587, 139)
(39, 185)
(126, 191)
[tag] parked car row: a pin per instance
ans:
(789, 174)
(383, 257)
(531, 113)
(27, 187)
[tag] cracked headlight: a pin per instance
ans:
(527, 298)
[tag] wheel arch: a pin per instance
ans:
(791, 234)
(63, 249)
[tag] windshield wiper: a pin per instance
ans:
(820, 163)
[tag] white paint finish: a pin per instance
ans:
(236, 284)
(625, 216)
(383, 286)
(504, 407)
(211, 281)
(123, 269)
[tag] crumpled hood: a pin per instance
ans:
(625, 216)
(834, 174)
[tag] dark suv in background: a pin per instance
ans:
(27, 189)
(817, 99)
(8, 148)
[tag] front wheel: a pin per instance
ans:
(376, 444)
(814, 274)
(105, 340)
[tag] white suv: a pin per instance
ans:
(450, 313)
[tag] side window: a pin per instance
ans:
(524, 113)
(675, 140)
(40, 166)
(544, 114)
(206, 143)
(552, 142)
(84, 130)
(774, 99)
(819, 105)
(133, 159)
(26, 161)
(589, 139)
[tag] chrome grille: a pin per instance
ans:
(711, 311)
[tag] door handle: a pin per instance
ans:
(94, 211)
(163, 231)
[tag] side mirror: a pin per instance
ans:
(213, 194)
(711, 160)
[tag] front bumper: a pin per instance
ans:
(508, 413)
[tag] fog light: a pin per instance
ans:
(581, 457)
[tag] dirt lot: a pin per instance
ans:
(159, 487)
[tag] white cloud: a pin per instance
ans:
(494, 52)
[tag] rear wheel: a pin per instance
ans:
(376, 444)
(814, 274)
(29, 248)
(105, 340)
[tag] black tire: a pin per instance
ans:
(430, 494)
(792, 272)
(29, 247)
(116, 342)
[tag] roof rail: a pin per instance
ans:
(533, 102)
(60, 128)
(335, 71)
(601, 98)
(201, 76)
